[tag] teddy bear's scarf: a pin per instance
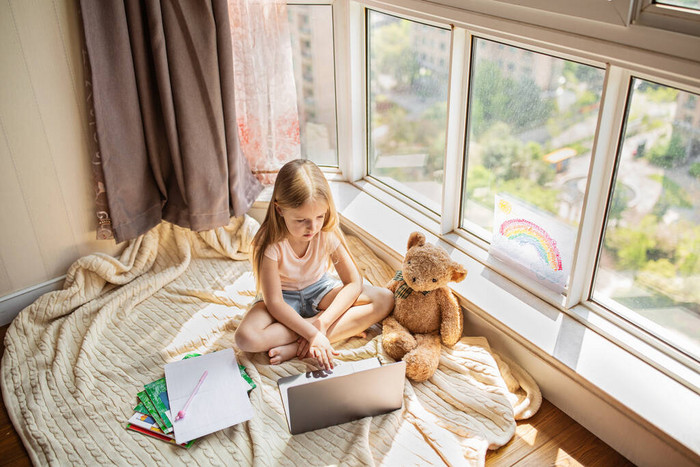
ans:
(404, 290)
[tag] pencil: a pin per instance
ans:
(181, 413)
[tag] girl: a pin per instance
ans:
(300, 310)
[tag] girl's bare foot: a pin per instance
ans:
(282, 353)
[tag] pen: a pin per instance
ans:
(181, 413)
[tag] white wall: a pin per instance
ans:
(46, 201)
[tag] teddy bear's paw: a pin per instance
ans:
(398, 344)
(422, 361)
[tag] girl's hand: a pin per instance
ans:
(303, 348)
(320, 348)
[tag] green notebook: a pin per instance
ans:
(158, 393)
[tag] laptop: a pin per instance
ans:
(350, 391)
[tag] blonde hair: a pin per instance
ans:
(297, 182)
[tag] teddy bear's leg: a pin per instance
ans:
(396, 339)
(422, 361)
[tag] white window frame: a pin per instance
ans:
(349, 23)
(628, 415)
(677, 19)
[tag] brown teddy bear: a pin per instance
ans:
(425, 310)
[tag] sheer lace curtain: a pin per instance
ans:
(266, 99)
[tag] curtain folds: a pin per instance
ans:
(165, 112)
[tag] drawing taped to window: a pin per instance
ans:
(532, 241)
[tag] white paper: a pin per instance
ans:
(534, 241)
(221, 401)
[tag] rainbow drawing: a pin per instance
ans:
(528, 233)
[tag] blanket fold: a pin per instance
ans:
(75, 359)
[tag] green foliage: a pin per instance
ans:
(479, 177)
(662, 267)
(672, 196)
(390, 53)
(580, 73)
(532, 192)
(694, 169)
(668, 153)
(498, 98)
(657, 92)
(509, 158)
(656, 248)
(632, 244)
(687, 251)
(620, 198)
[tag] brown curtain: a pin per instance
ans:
(163, 95)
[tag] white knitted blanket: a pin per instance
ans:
(76, 358)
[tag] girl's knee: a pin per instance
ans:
(246, 341)
(387, 301)
(383, 301)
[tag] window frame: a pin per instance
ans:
(672, 18)
(621, 62)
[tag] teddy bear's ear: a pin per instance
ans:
(459, 272)
(416, 238)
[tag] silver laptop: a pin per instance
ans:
(350, 391)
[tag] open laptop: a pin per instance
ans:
(350, 391)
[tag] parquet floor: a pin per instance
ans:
(549, 438)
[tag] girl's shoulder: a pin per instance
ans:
(274, 250)
(330, 239)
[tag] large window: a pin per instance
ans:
(562, 170)
(311, 31)
(407, 87)
(690, 4)
(532, 121)
(649, 260)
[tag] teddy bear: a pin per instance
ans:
(426, 312)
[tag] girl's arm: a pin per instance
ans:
(319, 346)
(348, 295)
(276, 306)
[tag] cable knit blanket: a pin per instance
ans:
(76, 358)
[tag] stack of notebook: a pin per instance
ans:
(154, 417)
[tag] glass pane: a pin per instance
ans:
(649, 262)
(311, 30)
(690, 4)
(408, 78)
(532, 121)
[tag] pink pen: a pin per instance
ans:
(181, 413)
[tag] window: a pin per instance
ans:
(506, 144)
(690, 4)
(674, 15)
(532, 121)
(311, 31)
(407, 106)
(649, 261)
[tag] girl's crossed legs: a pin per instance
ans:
(260, 332)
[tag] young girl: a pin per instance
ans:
(300, 309)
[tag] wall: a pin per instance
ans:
(46, 198)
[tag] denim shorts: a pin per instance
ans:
(305, 301)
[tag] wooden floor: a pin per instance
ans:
(548, 438)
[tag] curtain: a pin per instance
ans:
(266, 99)
(165, 114)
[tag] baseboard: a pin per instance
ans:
(11, 305)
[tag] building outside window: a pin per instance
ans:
(311, 31)
(407, 100)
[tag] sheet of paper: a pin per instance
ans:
(221, 401)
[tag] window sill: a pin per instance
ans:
(630, 388)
